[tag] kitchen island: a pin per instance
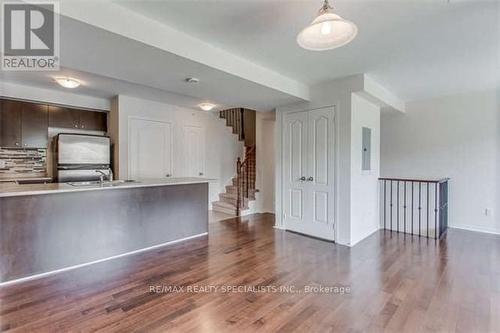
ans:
(51, 227)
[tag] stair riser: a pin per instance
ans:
(224, 210)
(234, 190)
(232, 201)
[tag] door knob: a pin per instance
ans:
(302, 178)
(310, 179)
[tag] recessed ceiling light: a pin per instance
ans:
(327, 31)
(67, 82)
(192, 80)
(206, 106)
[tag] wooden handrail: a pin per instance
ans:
(442, 180)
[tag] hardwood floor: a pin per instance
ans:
(397, 283)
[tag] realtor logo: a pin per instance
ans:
(30, 36)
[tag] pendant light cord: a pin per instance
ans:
(326, 7)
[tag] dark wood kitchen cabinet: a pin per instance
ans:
(34, 125)
(23, 125)
(10, 125)
(62, 117)
(96, 121)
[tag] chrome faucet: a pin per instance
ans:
(101, 176)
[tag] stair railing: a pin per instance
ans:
(414, 206)
(245, 179)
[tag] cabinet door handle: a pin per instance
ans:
(302, 178)
(167, 175)
(310, 179)
(17, 143)
(201, 173)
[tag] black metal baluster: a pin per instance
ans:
(385, 202)
(390, 206)
(427, 210)
(397, 207)
(412, 207)
(435, 209)
(404, 207)
(419, 208)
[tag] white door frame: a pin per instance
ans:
(280, 222)
(129, 132)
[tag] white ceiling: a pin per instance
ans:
(110, 64)
(415, 48)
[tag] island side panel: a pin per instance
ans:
(42, 233)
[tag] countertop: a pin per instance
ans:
(12, 190)
(13, 180)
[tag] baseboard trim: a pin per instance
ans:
(368, 234)
(469, 228)
(41, 275)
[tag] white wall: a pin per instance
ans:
(458, 137)
(265, 122)
(54, 96)
(364, 184)
(222, 147)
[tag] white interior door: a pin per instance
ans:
(308, 169)
(194, 138)
(150, 149)
(320, 177)
(294, 171)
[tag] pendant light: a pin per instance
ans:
(327, 31)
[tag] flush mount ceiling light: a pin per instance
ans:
(327, 31)
(206, 106)
(193, 80)
(68, 82)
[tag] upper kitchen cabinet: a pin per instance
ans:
(10, 125)
(96, 121)
(23, 125)
(62, 117)
(34, 125)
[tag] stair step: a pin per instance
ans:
(232, 198)
(234, 189)
(243, 181)
(225, 207)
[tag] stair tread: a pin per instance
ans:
(227, 205)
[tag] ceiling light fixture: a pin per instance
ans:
(206, 106)
(192, 80)
(68, 82)
(327, 31)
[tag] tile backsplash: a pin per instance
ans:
(22, 163)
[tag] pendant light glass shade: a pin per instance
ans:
(327, 31)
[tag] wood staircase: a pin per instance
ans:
(242, 189)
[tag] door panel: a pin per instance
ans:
(296, 199)
(150, 153)
(194, 151)
(320, 207)
(320, 143)
(295, 164)
(321, 168)
(35, 124)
